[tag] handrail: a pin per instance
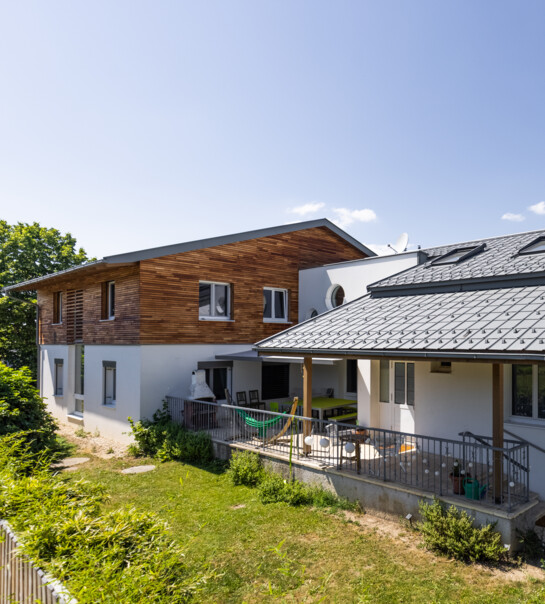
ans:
(527, 442)
(482, 440)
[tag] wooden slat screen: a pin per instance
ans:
(74, 315)
(21, 581)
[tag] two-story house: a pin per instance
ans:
(119, 334)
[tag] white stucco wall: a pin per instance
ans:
(58, 405)
(111, 421)
(353, 276)
(166, 369)
(449, 403)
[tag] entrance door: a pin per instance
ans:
(402, 396)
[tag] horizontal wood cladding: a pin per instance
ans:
(169, 286)
(82, 308)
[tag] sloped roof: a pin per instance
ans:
(499, 260)
(486, 324)
(203, 244)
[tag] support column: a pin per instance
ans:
(307, 400)
(497, 428)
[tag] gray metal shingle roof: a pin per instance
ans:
(499, 259)
(496, 323)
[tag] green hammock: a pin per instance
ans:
(263, 425)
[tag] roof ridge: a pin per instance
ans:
(483, 240)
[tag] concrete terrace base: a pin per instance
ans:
(391, 499)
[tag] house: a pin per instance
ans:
(450, 348)
(119, 334)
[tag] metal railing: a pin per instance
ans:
(440, 466)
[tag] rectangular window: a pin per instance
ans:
(57, 307)
(109, 368)
(214, 300)
(352, 376)
(275, 380)
(404, 383)
(528, 391)
(275, 304)
(522, 401)
(78, 406)
(108, 301)
(384, 394)
(59, 376)
(79, 369)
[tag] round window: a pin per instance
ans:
(337, 296)
(313, 313)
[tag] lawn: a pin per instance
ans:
(271, 553)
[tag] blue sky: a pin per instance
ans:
(133, 124)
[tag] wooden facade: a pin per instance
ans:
(82, 308)
(157, 299)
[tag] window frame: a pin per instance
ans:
(272, 318)
(108, 301)
(409, 371)
(468, 252)
(215, 317)
(59, 390)
(526, 250)
(534, 417)
(109, 366)
(57, 308)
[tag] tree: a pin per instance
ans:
(28, 251)
(22, 408)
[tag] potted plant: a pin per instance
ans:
(457, 477)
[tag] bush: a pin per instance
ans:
(23, 410)
(274, 489)
(122, 556)
(245, 468)
(452, 532)
(168, 441)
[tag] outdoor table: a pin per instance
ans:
(323, 403)
(357, 439)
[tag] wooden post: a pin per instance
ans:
(307, 400)
(497, 428)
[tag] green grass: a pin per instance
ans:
(272, 553)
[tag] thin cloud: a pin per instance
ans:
(307, 208)
(513, 217)
(346, 217)
(538, 208)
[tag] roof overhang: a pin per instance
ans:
(251, 356)
(413, 355)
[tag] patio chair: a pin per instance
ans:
(254, 400)
(228, 397)
(241, 399)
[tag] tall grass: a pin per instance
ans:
(123, 556)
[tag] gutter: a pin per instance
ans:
(481, 356)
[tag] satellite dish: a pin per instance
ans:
(401, 244)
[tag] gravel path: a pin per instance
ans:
(92, 442)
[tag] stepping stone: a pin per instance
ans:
(137, 469)
(70, 462)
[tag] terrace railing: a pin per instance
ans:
(440, 466)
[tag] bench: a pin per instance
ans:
(347, 417)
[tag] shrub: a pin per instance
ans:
(120, 556)
(532, 545)
(274, 489)
(23, 410)
(245, 468)
(452, 532)
(166, 440)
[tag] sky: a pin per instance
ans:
(133, 124)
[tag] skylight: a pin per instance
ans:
(460, 254)
(536, 246)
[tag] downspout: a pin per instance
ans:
(38, 359)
